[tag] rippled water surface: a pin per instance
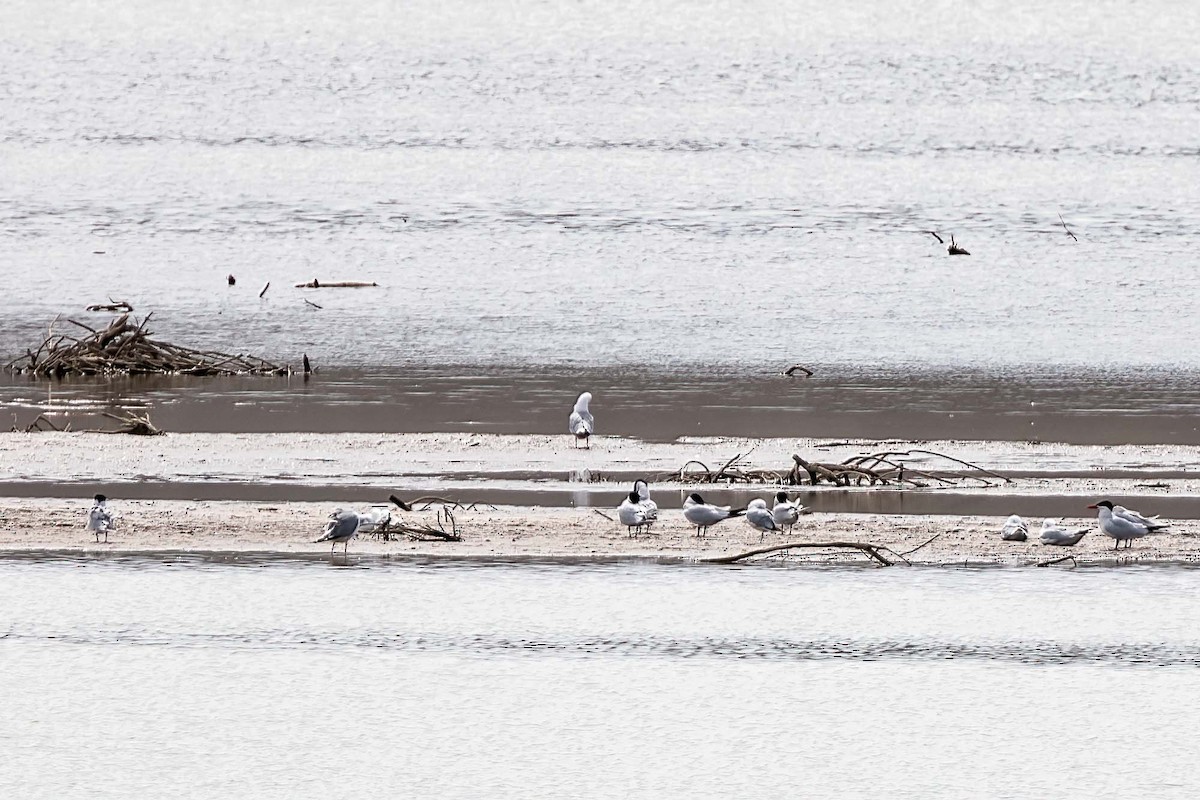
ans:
(610, 183)
(236, 676)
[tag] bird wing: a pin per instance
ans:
(581, 423)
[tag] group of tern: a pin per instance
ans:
(1117, 522)
(638, 511)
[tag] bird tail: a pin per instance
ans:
(737, 512)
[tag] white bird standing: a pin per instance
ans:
(631, 513)
(1015, 529)
(342, 527)
(704, 515)
(1121, 527)
(787, 512)
(760, 517)
(649, 506)
(101, 519)
(1053, 533)
(581, 422)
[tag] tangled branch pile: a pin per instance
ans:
(884, 468)
(125, 347)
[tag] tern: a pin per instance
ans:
(342, 527)
(631, 513)
(649, 506)
(1152, 524)
(1122, 527)
(760, 517)
(704, 515)
(100, 518)
(374, 520)
(1014, 530)
(1053, 533)
(581, 422)
(787, 512)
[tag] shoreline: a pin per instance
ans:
(54, 528)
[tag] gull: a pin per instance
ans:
(703, 515)
(581, 423)
(342, 527)
(100, 518)
(760, 517)
(1152, 524)
(1015, 529)
(1121, 527)
(631, 513)
(649, 506)
(1053, 533)
(375, 519)
(787, 512)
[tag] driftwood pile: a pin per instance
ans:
(124, 347)
(885, 469)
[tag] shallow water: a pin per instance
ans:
(205, 678)
(611, 183)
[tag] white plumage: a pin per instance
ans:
(704, 515)
(581, 423)
(648, 506)
(1056, 534)
(631, 514)
(1014, 530)
(760, 517)
(787, 512)
(1123, 527)
(101, 519)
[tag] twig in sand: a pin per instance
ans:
(311, 303)
(794, 368)
(918, 547)
(1058, 560)
(1065, 228)
(601, 513)
(264, 291)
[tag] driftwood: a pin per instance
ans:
(1058, 560)
(871, 550)
(953, 248)
(42, 424)
(311, 303)
(316, 284)
(794, 368)
(135, 424)
(422, 533)
(125, 346)
(1069, 233)
(264, 291)
(428, 501)
(114, 306)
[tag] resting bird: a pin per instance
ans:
(704, 515)
(760, 517)
(649, 506)
(100, 518)
(342, 527)
(1053, 533)
(631, 513)
(787, 512)
(581, 423)
(1123, 527)
(1014, 530)
(375, 519)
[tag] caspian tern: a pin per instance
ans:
(101, 519)
(704, 515)
(787, 512)
(1122, 528)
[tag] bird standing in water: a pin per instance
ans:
(581, 423)
(342, 527)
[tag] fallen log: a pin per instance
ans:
(869, 549)
(316, 284)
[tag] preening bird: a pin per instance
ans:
(1053, 533)
(787, 512)
(704, 515)
(1123, 526)
(1014, 530)
(760, 517)
(342, 527)
(581, 422)
(649, 506)
(631, 513)
(101, 519)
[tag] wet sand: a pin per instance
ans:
(151, 477)
(28, 526)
